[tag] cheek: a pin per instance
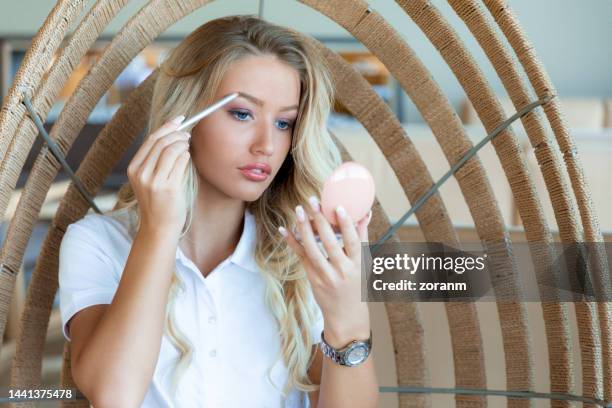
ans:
(284, 146)
(212, 152)
(212, 138)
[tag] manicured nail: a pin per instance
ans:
(300, 213)
(314, 203)
(282, 231)
(178, 120)
(341, 212)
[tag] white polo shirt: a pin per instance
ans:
(223, 315)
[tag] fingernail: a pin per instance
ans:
(178, 120)
(282, 231)
(341, 212)
(314, 203)
(300, 213)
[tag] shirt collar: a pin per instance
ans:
(244, 254)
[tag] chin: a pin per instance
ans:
(250, 194)
(247, 190)
(253, 196)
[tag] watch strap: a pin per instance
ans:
(339, 355)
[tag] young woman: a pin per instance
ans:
(194, 291)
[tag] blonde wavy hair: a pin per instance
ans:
(188, 79)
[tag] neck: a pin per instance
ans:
(215, 229)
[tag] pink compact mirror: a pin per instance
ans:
(352, 186)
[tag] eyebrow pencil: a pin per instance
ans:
(207, 111)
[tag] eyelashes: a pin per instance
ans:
(237, 113)
(242, 115)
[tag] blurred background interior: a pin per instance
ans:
(571, 38)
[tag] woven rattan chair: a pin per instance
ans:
(498, 32)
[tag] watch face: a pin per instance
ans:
(357, 354)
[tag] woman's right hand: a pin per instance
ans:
(156, 174)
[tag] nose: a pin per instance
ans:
(264, 139)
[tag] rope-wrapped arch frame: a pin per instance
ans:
(574, 215)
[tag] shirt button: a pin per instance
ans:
(212, 319)
(212, 353)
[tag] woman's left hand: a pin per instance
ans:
(336, 280)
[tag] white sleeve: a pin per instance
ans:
(317, 327)
(85, 272)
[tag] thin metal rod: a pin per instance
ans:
(58, 154)
(456, 167)
(512, 394)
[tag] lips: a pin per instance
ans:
(257, 168)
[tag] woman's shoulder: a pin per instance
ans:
(98, 237)
(111, 224)
(109, 233)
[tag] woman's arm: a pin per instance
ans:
(117, 358)
(116, 362)
(314, 373)
(336, 286)
(343, 386)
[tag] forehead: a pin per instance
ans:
(265, 77)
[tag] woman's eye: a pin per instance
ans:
(240, 115)
(285, 125)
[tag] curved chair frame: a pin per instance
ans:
(574, 214)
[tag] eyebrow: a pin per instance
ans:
(259, 102)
